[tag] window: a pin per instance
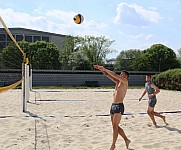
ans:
(2, 37)
(36, 38)
(2, 45)
(28, 38)
(44, 38)
(9, 39)
(19, 37)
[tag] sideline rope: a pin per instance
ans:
(2, 89)
(10, 86)
(11, 36)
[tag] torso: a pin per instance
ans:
(120, 92)
(149, 89)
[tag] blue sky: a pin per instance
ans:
(132, 24)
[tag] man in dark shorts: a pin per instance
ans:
(152, 90)
(117, 107)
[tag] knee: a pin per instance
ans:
(149, 112)
(115, 126)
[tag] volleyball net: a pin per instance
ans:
(14, 66)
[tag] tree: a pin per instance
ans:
(157, 58)
(77, 61)
(169, 79)
(96, 49)
(126, 59)
(179, 56)
(142, 62)
(179, 52)
(71, 45)
(43, 55)
(12, 57)
(88, 50)
(1, 61)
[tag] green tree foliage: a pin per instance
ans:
(43, 55)
(96, 49)
(1, 61)
(179, 56)
(170, 79)
(179, 52)
(12, 57)
(77, 61)
(81, 53)
(70, 47)
(126, 59)
(157, 58)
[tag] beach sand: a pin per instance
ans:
(78, 119)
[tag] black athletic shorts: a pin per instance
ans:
(117, 108)
(152, 102)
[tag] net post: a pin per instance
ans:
(25, 83)
(31, 78)
(23, 88)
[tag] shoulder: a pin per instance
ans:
(125, 83)
(146, 84)
(122, 80)
(153, 85)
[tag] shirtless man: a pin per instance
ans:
(152, 90)
(117, 107)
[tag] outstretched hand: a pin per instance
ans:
(101, 68)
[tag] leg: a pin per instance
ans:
(150, 112)
(115, 118)
(121, 132)
(161, 116)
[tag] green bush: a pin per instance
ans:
(170, 79)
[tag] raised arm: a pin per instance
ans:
(111, 74)
(110, 77)
(114, 75)
(101, 68)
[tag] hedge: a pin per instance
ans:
(170, 79)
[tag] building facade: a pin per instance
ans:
(29, 35)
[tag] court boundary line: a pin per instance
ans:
(31, 115)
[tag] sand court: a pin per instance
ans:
(78, 119)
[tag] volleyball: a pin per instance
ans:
(78, 19)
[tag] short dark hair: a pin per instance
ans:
(126, 72)
(148, 75)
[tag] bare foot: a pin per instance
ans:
(112, 147)
(155, 124)
(127, 143)
(164, 120)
